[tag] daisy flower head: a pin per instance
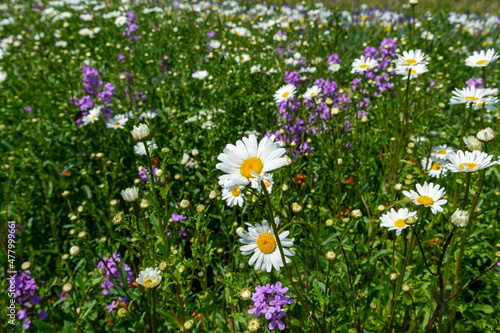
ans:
(470, 161)
(412, 72)
(267, 178)
(120, 21)
(284, 93)
(240, 31)
(233, 197)
(481, 59)
(255, 69)
(363, 64)
(441, 153)
(214, 44)
(260, 241)
(141, 132)
(200, 75)
(435, 169)
(487, 102)
(241, 59)
(93, 116)
(149, 278)
(312, 92)
(334, 67)
(395, 219)
(427, 35)
(130, 193)
(140, 149)
(428, 195)
(246, 159)
(117, 122)
(467, 95)
(410, 58)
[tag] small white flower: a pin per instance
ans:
(117, 122)
(93, 116)
(120, 21)
(130, 193)
(200, 75)
(460, 218)
(140, 149)
(363, 64)
(486, 135)
(470, 161)
(149, 278)
(473, 143)
(428, 195)
(395, 220)
(284, 93)
(141, 132)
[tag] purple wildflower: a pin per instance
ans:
(270, 300)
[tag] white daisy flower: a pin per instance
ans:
(240, 31)
(410, 58)
(486, 102)
(284, 93)
(85, 32)
(260, 240)
(334, 67)
(413, 72)
(214, 44)
(267, 178)
(363, 64)
(312, 92)
(441, 153)
(248, 156)
(427, 35)
(92, 116)
(149, 278)
(435, 169)
(233, 197)
(428, 195)
(200, 75)
(395, 220)
(241, 59)
(467, 95)
(149, 114)
(140, 149)
(61, 43)
(470, 161)
(120, 21)
(130, 193)
(3, 76)
(117, 122)
(255, 69)
(481, 59)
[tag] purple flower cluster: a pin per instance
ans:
(295, 130)
(270, 300)
(131, 27)
(475, 82)
(113, 276)
(27, 297)
(144, 173)
(292, 77)
(94, 90)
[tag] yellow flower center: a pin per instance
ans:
(236, 191)
(442, 152)
(285, 95)
(481, 104)
(436, 166)
(267, 183)
(312, 94)
(252, 164)
(414, 72)
(400, 223)
(410, 62)
(481, 62)
(472, 98)
(470, 165)
(425, 200)
(238, 33)
(148, 282)
(266, 243)
(93, 116)
(117, 123)
(365, 66)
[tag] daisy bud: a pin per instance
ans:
(140, 133)
(26, 265)
(212, 195)
(472, 143)
(381, 208)
(253, 325)
(189, 324)
(162, 266)
(410, 220)
(340, 161)
(334, 111)
(200, 208)
(373, 305)
(184, 204)
(285, 187)
(296, 207)
(329, 101)
(330, 255)
(282, 131)
(130, 194)
(240, 230)
(288, 160)
(113, 202)
(393, 276)
(245, 294)
(78, 311)
(406, 287)
(65, 194)
(329, 222)
(364, 119)
(357, 214)
(65, 256)
(118, 218)
(486, 135)
(149, 278)
(82, 234)
(158, 172)
(406, 200)
(460, 218)
(165, 150)
(67, 287)
(99, 155)
(144, 204)
(122, 312)
(74, 251)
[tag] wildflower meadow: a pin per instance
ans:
(243, 166)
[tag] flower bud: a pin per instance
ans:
(472, 143)
(122, 312)
(330, 255)
(296, 207)
(240, 230)
(486, 135)
(357, 214)
(329, 222)
(245, 294)
(144, 204)
(26, 265)
(65, 194)
(200, 208)
(460, 218)
(158, 172)
(334, 111)
(393, 276)
(184, 204)
(410, 220)
(212, 195)
(189, 324)
(74, 251)
(398, 187)
(162, 266)
(140, 133)
(67, 287)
